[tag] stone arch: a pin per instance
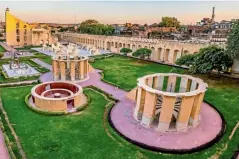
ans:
(120, 45)
(195, 52)
(176, 55)
(116, 45)
(128, 46)
(133, 48)
(166, 55)
(123, 45)
(103, 45)
(146, 47)
(159, 53)
(153, 54)
(112, 43)
(185, 52)
(108, 47)
(139, 46)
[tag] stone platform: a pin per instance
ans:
(210, 129)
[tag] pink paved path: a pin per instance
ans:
(121, 115)
(3, 150)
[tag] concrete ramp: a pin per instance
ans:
(132, 94)
(91, 69)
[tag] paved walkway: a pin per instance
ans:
(42, 63)
(3, 150)
(7, 47)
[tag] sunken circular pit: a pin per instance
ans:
(57, 96)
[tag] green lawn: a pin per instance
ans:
(124, 72)
(84, 136)
(47, 60)
(2, 49)
(64, 137)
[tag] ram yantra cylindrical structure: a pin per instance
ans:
(169, 102)
(57, 96)
(70, 68)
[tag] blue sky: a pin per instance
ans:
(119, 11)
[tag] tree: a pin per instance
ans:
(142, 53)
(169, 22)
(94, 27)
(1, 55)
(211, 58)
(125, 50)
(186, 60)
(233, 41)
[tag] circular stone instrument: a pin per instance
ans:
(169, 101)
(57, 96)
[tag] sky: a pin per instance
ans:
(119, 12)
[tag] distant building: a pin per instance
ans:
(128, 25)
(20, 33)
(118, 28)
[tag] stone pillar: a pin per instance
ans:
(81, 70)
(159, 83)
(72, 70)
(183, 84)
(194, 116)
(188, 85)
(166, 112)
(67, 62)
(63, 70)
(171, 83)
(55, 70)
(193, 85)
(149, 109)
(150, 81)
(184, 113)
(138, 110)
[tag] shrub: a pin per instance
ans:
(1, 55)
(186, 60)
(125, 50)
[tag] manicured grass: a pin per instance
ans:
(47, 60)
(124, 72)
(84, 135)
(2, 49)
(71, 136)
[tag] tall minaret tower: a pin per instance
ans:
(213, 14)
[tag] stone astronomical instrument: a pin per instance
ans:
(169, 102)
(70, 68)
(57, 96)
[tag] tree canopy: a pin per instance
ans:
(233, 41)
(142, 53)
(169, 22)
(125, 50)
(186, 60)
(1, 55)
(211, 58)
(94, 27)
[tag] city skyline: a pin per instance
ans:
(110, 12)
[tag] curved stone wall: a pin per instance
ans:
(70, 68)
(162, 50)
(56, 96)
(169, 102)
